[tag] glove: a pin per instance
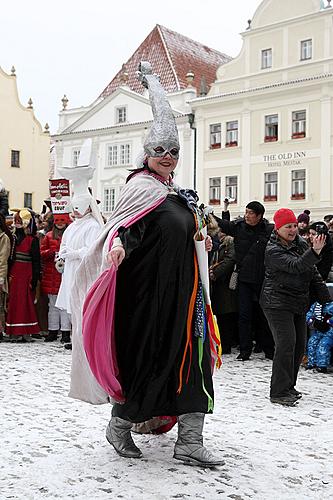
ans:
(320, 326)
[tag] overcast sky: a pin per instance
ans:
(75, 47)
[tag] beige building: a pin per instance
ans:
(24, 148)
(265, 128)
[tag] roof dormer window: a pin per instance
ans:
(266, 58)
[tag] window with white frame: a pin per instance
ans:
(266, 58)
(298, 184)
(75, 157)
(231, 188)
(109, 199)
(112, 156)
(306, 49)
(215, 136)
(118, 154)
(232, 134)
(215, 191)
(271, 128)
(298, 124)
(125, 154)
(121, 114)
(271, 186)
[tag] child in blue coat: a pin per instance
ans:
(320, 320)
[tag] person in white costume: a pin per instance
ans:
(85, 229)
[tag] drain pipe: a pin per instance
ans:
(191, 122)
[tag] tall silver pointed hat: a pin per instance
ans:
(164, 130)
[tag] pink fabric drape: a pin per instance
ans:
(98, 323)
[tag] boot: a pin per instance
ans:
(118, 433)
(189, 445)
(52, 336)
(65, 337)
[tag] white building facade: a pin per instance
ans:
(118, 125)
(265, 128)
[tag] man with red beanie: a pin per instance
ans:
(290, 270)
(250, 234)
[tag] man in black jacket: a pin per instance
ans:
(251, 234)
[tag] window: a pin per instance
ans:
(121, 114)
(125, 154)
(215, 136)
(215, 191)
(231, 188)
(112, 156)
(299, 124)
(118, 154)
(306, 49)
(15, 159)
(28, 200)
(232, 134)
(271, 184)
(75, 157)
(298, 184)
(266, 58)
(271, 128)
(109, 200)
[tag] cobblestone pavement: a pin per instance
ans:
(54, 447)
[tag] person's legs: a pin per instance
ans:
(245, 305)
(225, 324)
(300, 344)
(118, 434)
(53, 319)
(65, 326)
(312, 349)
(189, 446)
(282, 327)
(263, 334)
(324, 351)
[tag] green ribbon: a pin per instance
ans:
(200, 351)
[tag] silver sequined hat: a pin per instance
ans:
(163, 133)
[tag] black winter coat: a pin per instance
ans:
(290, 272)
(3, 203)
(224, 300)
(326, 259)
(250, 243)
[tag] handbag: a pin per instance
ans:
(233, 282)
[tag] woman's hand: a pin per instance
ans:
(116, 256)
(212, 275)
(208, 243)
(318, 243)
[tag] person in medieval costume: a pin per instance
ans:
(6, 243)
(24, 278)
(85, 229)
(147, 336)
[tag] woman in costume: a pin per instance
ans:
(148, 336)
(24, 277)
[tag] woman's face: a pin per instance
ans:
(288, 232)
(302, 225)
(163, 165)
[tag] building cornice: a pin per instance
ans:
(180, 118)
(252, 90)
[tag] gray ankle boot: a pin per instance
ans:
(118, 433)
(189, 445)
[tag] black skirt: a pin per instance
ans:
(154, 287)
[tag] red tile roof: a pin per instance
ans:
(172, 56)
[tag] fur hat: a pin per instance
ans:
(304, 217)
(284, 216)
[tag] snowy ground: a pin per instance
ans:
(54, 447)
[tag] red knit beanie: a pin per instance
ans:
(284, 216)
